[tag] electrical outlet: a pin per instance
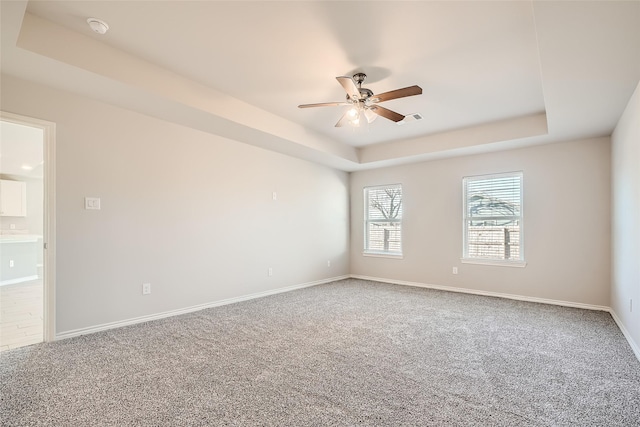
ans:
(328, 263)
(274, 196)
(270, 271)
(12, 227)
(11, 263)
(146, 288)
(455, 270)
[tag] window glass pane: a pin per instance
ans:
(384, 237)
(383, 219)
(385, 203)
(494, 197)
(493, 217)
(493, 242)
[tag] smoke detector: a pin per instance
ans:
(98, 25)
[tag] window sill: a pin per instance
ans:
(493, 262)
(382, 255)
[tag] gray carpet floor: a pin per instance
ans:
(340, 354)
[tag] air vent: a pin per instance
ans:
(410, 118)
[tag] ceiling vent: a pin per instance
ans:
(411, 118)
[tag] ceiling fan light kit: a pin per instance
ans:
(363, 102)
(370, 115)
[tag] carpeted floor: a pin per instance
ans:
(341, 354)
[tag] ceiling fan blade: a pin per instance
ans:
(323, 104)
(344, 120)
(386, 113)
(349, 86)
(398, 93)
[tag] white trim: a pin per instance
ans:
(49, 237)
(18, 280)
(486, 293)
(634, 346)
(171, 313)
(383, 255)
(50, 232)
(493, 262)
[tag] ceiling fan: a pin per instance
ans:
(364, 102)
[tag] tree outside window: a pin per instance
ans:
(383, 219)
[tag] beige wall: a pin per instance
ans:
(187, 211)
(625, 284)
(566, 223)
(192, 213)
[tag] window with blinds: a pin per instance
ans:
(493, 217)
(383, 219)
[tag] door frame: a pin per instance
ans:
(49, 220)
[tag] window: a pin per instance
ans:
(383, 220)
(493, 219)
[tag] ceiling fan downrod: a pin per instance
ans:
(359, 78)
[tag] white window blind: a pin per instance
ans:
(493, 217)
(383, 219)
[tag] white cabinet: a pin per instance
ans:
(13, 198)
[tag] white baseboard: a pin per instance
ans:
(113, 325)
(486, 293)
(19, 280)
(171, 313)
(634, 346)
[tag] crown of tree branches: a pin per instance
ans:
(387, 203)
(483, 204)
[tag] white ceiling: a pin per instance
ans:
(495, 75)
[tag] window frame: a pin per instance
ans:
(520, 262)
(381, 253)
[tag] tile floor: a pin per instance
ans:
(21, 314)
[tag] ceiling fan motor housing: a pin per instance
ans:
(364, 95)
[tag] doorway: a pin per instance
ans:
(26, 231)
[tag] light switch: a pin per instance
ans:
(92, 203)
